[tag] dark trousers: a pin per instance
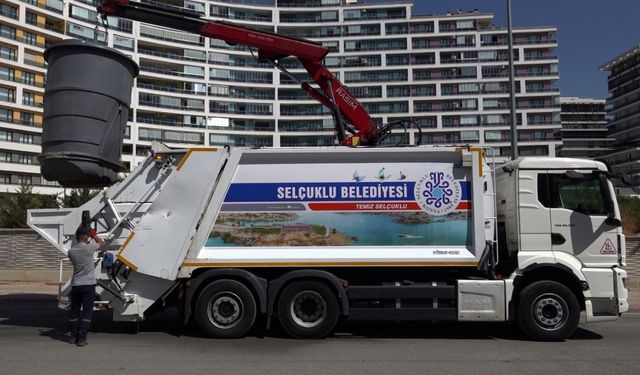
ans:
(82, 298)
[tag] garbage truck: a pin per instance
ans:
(238, 238)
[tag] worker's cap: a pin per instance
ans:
(82, 231)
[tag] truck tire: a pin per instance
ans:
(548, 311)
(308, 310)
(225, 309)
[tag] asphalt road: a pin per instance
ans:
(32, 341)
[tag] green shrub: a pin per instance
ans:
(14, 206)
(630, 212)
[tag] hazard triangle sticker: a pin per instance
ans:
(608, 248)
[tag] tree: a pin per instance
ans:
(77, 197)
(14, 206)
(630, 212)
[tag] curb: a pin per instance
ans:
(28, 297)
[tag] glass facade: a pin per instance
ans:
(447, 74)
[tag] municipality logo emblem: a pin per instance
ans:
(438, 193)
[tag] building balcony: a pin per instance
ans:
(307, 3)
(169, 55)
(171, 89)
(171, 106)
(55, 6)
(164, 5)
(240, 111)
(165, 38)
(170, 72)
(537, 57)
(9, 14)
(168, 122)
(520, 42)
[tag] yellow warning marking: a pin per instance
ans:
(127, 262)
(122, 247)
(126, 242)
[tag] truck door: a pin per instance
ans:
(578, 216)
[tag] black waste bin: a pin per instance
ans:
(86, 106)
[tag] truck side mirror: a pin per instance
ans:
(613, 221)
(608, 201)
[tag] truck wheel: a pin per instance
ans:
(225, 309)
(548, 311)
(308, 310)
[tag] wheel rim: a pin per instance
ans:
(308, 309)
(225, 310)
(550, 311)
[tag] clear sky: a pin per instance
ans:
(590, 33)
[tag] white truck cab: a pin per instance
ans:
(559, 221)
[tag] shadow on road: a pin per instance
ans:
(41, 311)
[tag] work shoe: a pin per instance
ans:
(82, 342)
(73, 340)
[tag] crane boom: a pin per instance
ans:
(350, 115)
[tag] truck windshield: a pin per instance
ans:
(581, 195)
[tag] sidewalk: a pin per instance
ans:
(23, 291)
(27, 291)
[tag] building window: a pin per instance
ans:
(7, 95)
(58, 5)
(9, 11)
(31, 18)
(7, 53)
(123, 42)
(469, 136)
(6, 115)
(465, 25)
(23, 180)
(29, 78)
(7, 32)
(30, 38)
(44, 182)
(6, 73)
(26, 118)
(23, 138)
(24, 159)
(29, 98)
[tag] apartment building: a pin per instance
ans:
(623, 111)
(448, 73)
(584, 128)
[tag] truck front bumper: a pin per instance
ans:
(607, 297)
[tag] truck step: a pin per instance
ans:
(410, 302)
(408, 314)
(413, 291)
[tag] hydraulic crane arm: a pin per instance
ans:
(349, 114)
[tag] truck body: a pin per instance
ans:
(313, 235)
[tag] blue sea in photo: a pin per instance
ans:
(377, 229)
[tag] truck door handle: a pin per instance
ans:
(557, 239)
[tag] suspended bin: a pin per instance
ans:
(86, 106)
